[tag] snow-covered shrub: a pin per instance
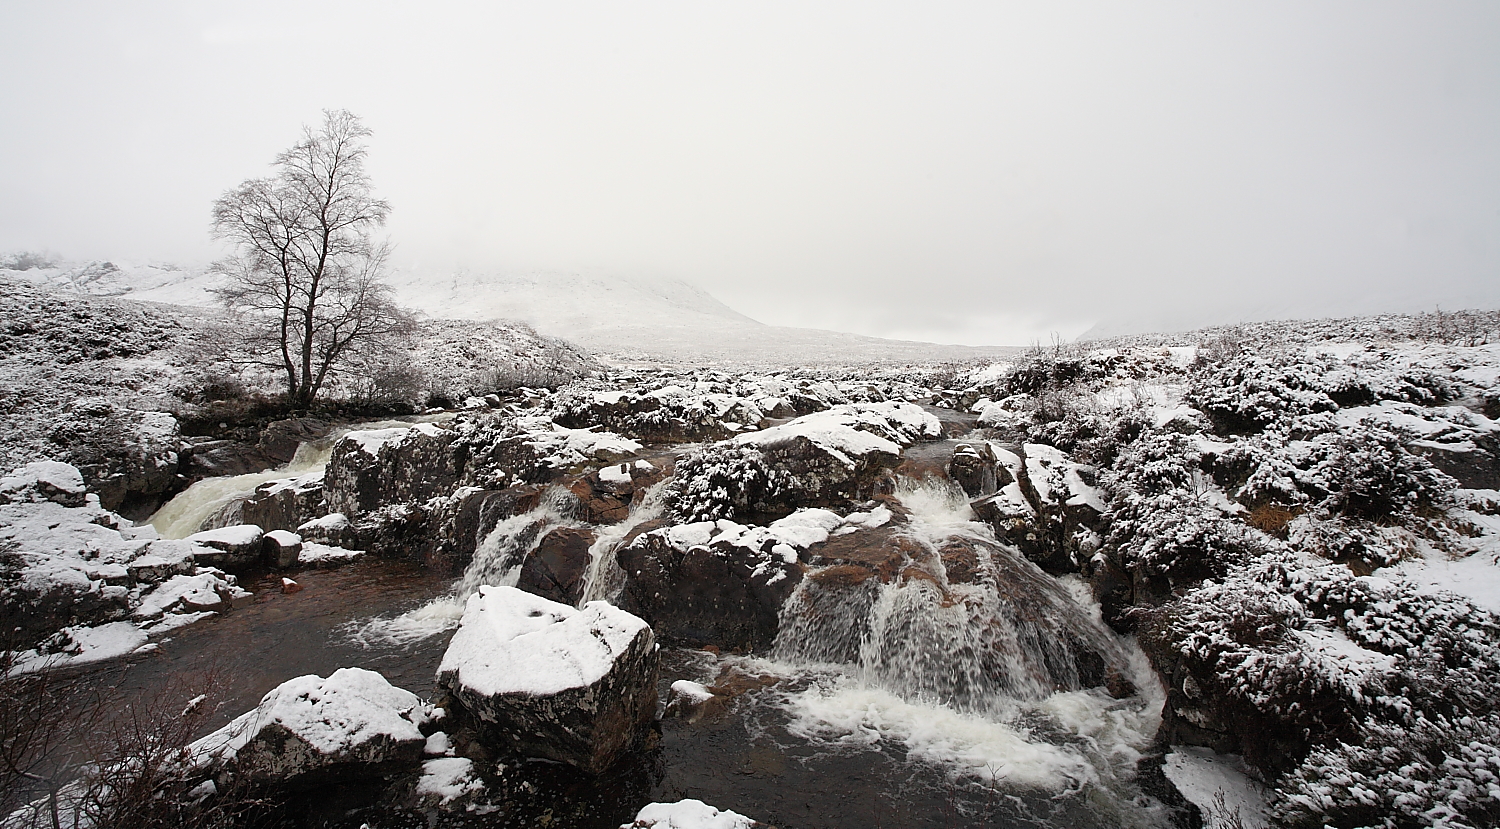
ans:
(1078, 426)
(1362, 472)
(724, 481)
(1440, 772)
(1249, 395)
(1377, 701)
(1179, 539)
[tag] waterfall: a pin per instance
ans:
(185, 513)
(497, 561)
(992, 675)
(498, 558)
(604, 579)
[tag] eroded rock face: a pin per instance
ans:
(556, 568)
(723, 594)
(536, 678)
(312, 731)
(377, 468)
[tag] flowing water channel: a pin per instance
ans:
(885, 707)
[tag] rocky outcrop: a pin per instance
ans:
(667, 415)
(312, 731)
(833, 458)
(403, 465)
(534, 678)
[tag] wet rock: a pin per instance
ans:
(556, 569)
(476, 512)
(280, 439)
(281, 548)
(229, 548)
(535, 678)
(312, 731)
(219, 458)
(275, 505)
(606, 496)
(725, 594)
(976, 469)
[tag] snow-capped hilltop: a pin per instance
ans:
(634, 318)
(155, 282)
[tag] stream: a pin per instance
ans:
(896, 726)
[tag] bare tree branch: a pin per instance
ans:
(306, 282)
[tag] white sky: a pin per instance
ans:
(984, 173)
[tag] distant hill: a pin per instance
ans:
(617, 317)
(641, 319)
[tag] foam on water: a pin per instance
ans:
(497, 562)
(952, 673)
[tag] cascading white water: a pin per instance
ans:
(184, 514)
(982, 677)
(497, 562)
(604, 579)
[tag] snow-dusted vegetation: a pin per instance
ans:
(1034, 578)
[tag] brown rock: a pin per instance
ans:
(556, 569)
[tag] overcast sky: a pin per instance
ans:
(984, 173)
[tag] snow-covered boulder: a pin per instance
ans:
(375, 468)
(163, 559)
(229, 547)
(44, 481)
(281, 548)
(541, 679)
(310, 731)
(831, 458)
(689, 814)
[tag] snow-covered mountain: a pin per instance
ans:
(154, 282)
(618, 317)
(628, 318)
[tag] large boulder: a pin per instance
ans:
(310, 731)
(284, 504)
(376, 468)
(536, 678)
(722, 583)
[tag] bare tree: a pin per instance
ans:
(306, 280)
